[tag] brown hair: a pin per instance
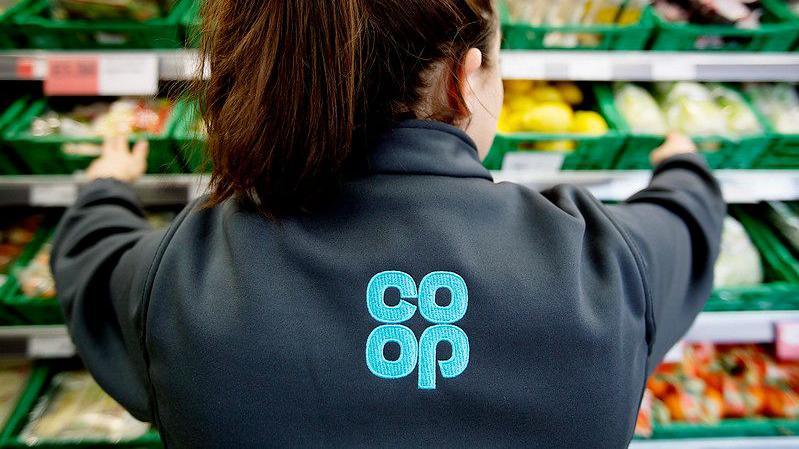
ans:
(298, 86)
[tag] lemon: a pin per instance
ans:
(550, 117)
(566, 146)
(546, 93)
(520, 104)
(570, 92)
(589, 122)
(510, 122)
(519, 86)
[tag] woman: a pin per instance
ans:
(355, 278)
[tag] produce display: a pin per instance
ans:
(779, 102)
(13, 240)
(541, 107)
(739, 263)
(5, 5)
(13, 378)
(121, 117)
(695, 109)
(139, 10)
(785, 219)
(716, 382)
(36, 279)
(76, 409)
(740, 13)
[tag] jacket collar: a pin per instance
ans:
(421, 147)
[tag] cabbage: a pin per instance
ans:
(640, 109)
(739, 263)
(741, 121)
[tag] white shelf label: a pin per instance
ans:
(591, 70)
(50, 347)
(673, 71)
(533, 161)
(127, 74)
(53, 195)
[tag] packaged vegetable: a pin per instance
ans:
(36, 280)
(640, 109)
(122, 117)
(691, 109)
(75, 410)
(741, 120)
(739, 262)
(785, 218)
(138, 10)
(13, 379)
(779, 102)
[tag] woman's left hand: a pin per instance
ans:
(118, 162)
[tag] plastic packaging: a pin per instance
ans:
(640, 109)
(36, 280)
(690, 108)
(784, 217)
(779, 102)
(13, 378)
(76, 409)
(139, 10)
(741, 121)
(122, 117)
(739, 262)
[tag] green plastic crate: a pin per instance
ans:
(731, 428)
(782, 152)
(47, 155)
(10, 36)
(31, 311)
(776, 33)
(9, 162)
(38, 385)
(590, 152)
(780, 291)
(44, 32)
(192, 24)
(190, 145)
(524, 36)
(9, 315)
(720, 152)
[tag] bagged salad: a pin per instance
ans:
(739, 263)
(138, 10)
(76, 409)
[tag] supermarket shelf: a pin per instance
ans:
(719, 327)
(32, 64)
(720, 443)
(36, 342)
(650, 66)
(739, 327)
(739, 186)
(564, 65)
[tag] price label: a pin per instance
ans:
(72, 75)
(50, 347)
(787, 341)
(31, 68)
(533, 161)
(591, 70)
(128, 74)
(673, 70)
(53, 195)
(123, 74)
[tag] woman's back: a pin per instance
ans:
(424, 306)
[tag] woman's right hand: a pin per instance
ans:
(674, 145)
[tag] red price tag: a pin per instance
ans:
(788, 341)
(72, 76)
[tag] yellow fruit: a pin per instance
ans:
(566, 146)
(518, 86)
(548, 117)
(510, 122)
(520, 104)
(570, 92)
(589, 122)
(546, 93)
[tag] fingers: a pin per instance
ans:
(680, 141)
(115, 144)
(140, 151)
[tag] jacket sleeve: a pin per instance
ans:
(102, 251)
(674, 229)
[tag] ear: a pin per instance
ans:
(470, 70)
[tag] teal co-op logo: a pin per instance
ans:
(392, 331)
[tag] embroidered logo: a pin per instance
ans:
(443, 318)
